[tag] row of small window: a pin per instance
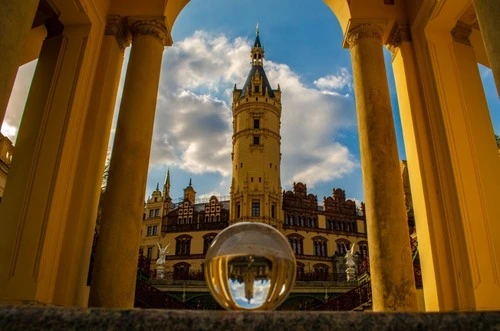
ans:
(299, 220)
(255, 209)
(341, 226)
(189, 220)
(154, 213)
(182, 211)
(320, 247)
(152, 230)
(183, 245)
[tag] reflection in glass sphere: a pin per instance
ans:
(250, 266)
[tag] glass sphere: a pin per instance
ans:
(250, 266)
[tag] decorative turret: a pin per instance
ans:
(190, 193)
(257, 53)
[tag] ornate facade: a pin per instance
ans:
(319, 235)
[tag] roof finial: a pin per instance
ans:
(190, 182)
(257, 29)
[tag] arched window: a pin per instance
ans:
(181, 270)
(363, 249)
(207, 240)
(300, 270)
(297, 243)
(183, 245)
(320, 246)
(342, 246)
(320, 271)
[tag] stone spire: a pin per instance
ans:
(166, 186)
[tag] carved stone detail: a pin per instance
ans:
(461, 33)
(363, 31)
(116, 26)
(399, 34)
(153, 27)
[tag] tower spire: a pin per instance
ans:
(257, 53)
(166, 186)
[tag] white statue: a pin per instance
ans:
(161, 254)
(349, 257)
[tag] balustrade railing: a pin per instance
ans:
(322, 230)
(349, 300)
(195, 227)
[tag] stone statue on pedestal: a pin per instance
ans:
(161, 254)
(349, 257)
(160, 268)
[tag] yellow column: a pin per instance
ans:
(440, 234)
(16, 18)
(35, 204)
(487, 12)
(476, 161)
(393, 285)
(72, 289)
(113, 282)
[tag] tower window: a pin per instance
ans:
(256, 123)
(256, 140)
(273, 210)
(256, 88)
(238, 210)
(255, 208)
(260, 179)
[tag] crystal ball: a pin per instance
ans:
(250, 266)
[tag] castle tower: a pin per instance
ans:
(167, 200)
(190, 193)
(256, 185)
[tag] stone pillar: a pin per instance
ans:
(476, 164)
(115, 268)
(72, 289)
(487, 12)
(16, 18)
(393, 285)
(440, 234)
(34, 209)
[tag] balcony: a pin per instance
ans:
(209, 226)
(322, 230)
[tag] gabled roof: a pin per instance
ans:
(248, 83)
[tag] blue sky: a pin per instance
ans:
(212, 40)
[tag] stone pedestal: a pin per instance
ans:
(160, 272)
(351, 274)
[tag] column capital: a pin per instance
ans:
(154, 27)
(362, 31)
(461, 33)
(116, 26)
(399, 34)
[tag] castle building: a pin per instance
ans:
(319, 235)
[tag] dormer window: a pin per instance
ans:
(256, 88)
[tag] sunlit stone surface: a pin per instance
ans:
(250, 266)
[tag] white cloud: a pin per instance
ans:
(193, 123)
(334, 83)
